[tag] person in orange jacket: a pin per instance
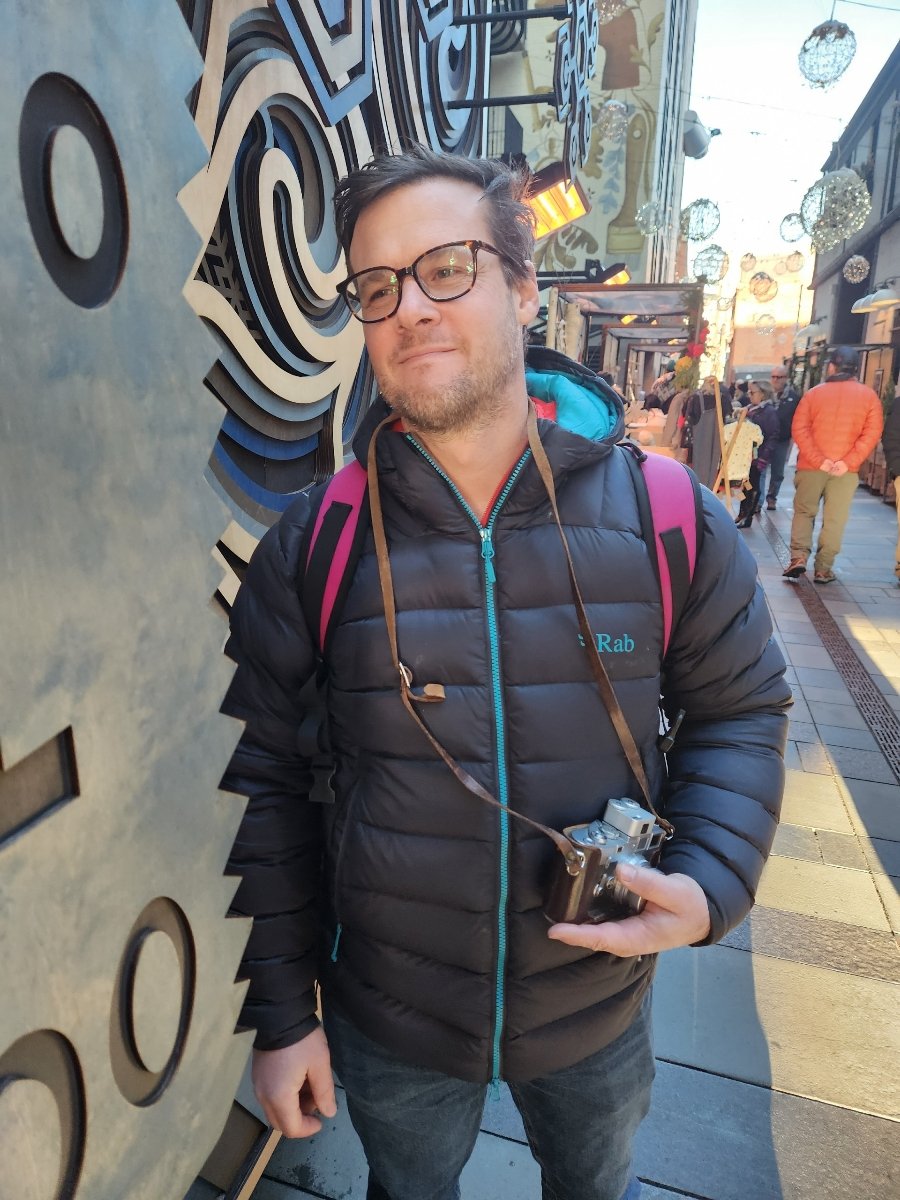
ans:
(837, 424)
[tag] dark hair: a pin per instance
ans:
(846, 359)
(505, 188)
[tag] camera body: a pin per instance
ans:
(587, 891)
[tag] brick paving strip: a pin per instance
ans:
(877, 713)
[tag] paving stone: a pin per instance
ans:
(802, 731)
(793, 841)
(821, 890)
(888, 686)
(876, 808)
(201, 1190)
(331, 1164)
(841, 735)
(802, 1029)
(814, 758)
(838, 715)
(889, 889)
(838, 693)
(841, 850)
(834, 944)
(817, 802)
(701, 1128)
(861, 764)
(796, 624)
(810, 656)
(881, 855)
(812, 677)
(792, 759)
(799, 710)
(801, 639)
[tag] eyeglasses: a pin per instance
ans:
(445, 273)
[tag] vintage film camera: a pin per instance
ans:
(588, 892)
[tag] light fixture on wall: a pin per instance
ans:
(885, 296)
(556, 202)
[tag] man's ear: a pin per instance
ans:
(526, 296)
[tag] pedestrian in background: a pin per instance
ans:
(786, 400)
(762, 413)
(891, 443)
(836, 426)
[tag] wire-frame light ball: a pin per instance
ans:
(791, 227)
(699, 220)
(748, 262)
(611, 121)
(781, 266)
(856, 268)
(724, 303)
(835, 207)
(763, 287)
(765, 324)
(795, 261)
(608, 10)
(826, 54)
(711, 263)
(650, 218)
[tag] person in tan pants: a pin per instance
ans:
(836, 426)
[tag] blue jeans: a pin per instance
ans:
(418, 1127)
(777, 461)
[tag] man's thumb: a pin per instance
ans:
(321, 1084)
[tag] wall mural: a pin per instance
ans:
(291, 373)
(170, 309)
(618, 175)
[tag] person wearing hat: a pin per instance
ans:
(836, 426)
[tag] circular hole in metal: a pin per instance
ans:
(156, 1000)
(40, 1073)
(129, 1036)
(76, 191)
(56, 201)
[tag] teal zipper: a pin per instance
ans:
(490, 579)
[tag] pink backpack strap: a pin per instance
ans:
(334, 547)
(677, 523)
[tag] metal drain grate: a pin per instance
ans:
(877, 713)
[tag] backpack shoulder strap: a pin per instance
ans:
(338, 532)
(671, 512)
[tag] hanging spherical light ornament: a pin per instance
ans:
(748, 262)
(612, 121)
(835, 207)
(650, 218)
(711, 263)
(724, 303)
(781, 266)
(795, 261)
(608, 10)
(791, 227)
(826, 54)
(700, 220)
(765, 324)
(763, 287)
(856, 268)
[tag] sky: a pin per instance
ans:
(777, 131)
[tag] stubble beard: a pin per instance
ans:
(470, 401)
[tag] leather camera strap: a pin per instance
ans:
(432, 693)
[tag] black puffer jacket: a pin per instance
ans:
(443, 955)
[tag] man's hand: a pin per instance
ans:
(826, 465)
(676, 914)
(838, 468)
(293, 1083)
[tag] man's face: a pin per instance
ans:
(445, 366)
(779, 379)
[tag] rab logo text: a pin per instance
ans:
(607, 644)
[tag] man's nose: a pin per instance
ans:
(414, 305)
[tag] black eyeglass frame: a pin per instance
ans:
(473, 245)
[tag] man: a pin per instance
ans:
(413, 904)
(891, 443)
(786, 400)
(837, 424)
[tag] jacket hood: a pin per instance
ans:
(585, 404)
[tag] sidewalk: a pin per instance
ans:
(777, 1050)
